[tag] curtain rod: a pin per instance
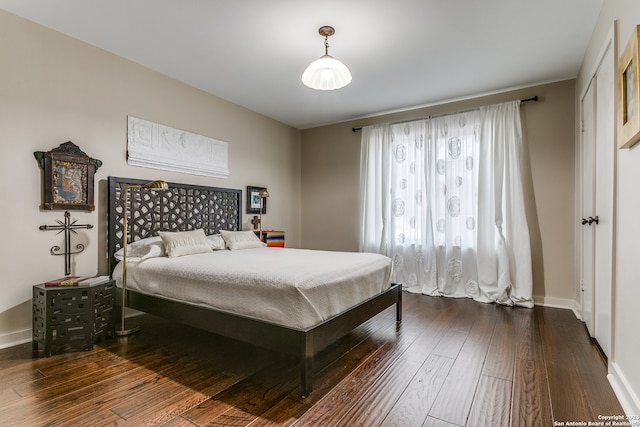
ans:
(532, 99)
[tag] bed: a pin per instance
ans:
(186, 207)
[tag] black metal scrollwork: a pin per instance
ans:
(67, 227)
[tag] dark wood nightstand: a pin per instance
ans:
(69, 318)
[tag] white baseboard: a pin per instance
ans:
(15, 338)
(560, 303)
(627, 397)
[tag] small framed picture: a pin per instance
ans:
(628, 72)
(253, 200)
(68, 178)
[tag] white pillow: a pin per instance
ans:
(217, 242)
(142, 249)
(241, 239)
(185, 242)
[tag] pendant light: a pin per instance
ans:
(326, 73)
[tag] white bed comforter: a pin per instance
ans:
(297, 288)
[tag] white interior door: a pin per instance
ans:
(605, 148)
(597, 202)
(587, 206)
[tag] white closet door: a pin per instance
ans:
(597, 202)
(587, 206)
(605, 149)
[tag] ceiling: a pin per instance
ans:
(402, 54)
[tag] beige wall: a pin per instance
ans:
(55, 89)
(330, 182)
(623, 363)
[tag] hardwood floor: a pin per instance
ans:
(452, 362)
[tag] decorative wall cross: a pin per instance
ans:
(255, 221)
(67, 227)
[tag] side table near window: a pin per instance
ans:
(69, 318)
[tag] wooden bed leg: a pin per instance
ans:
(399, 305)
(306, 365)
(307, 377)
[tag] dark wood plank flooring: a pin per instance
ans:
(452, 362)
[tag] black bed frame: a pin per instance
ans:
(185, 207)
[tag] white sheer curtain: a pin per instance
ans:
(443, 198)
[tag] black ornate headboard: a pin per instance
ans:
(182, 207)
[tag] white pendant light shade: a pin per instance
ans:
(326, 73)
